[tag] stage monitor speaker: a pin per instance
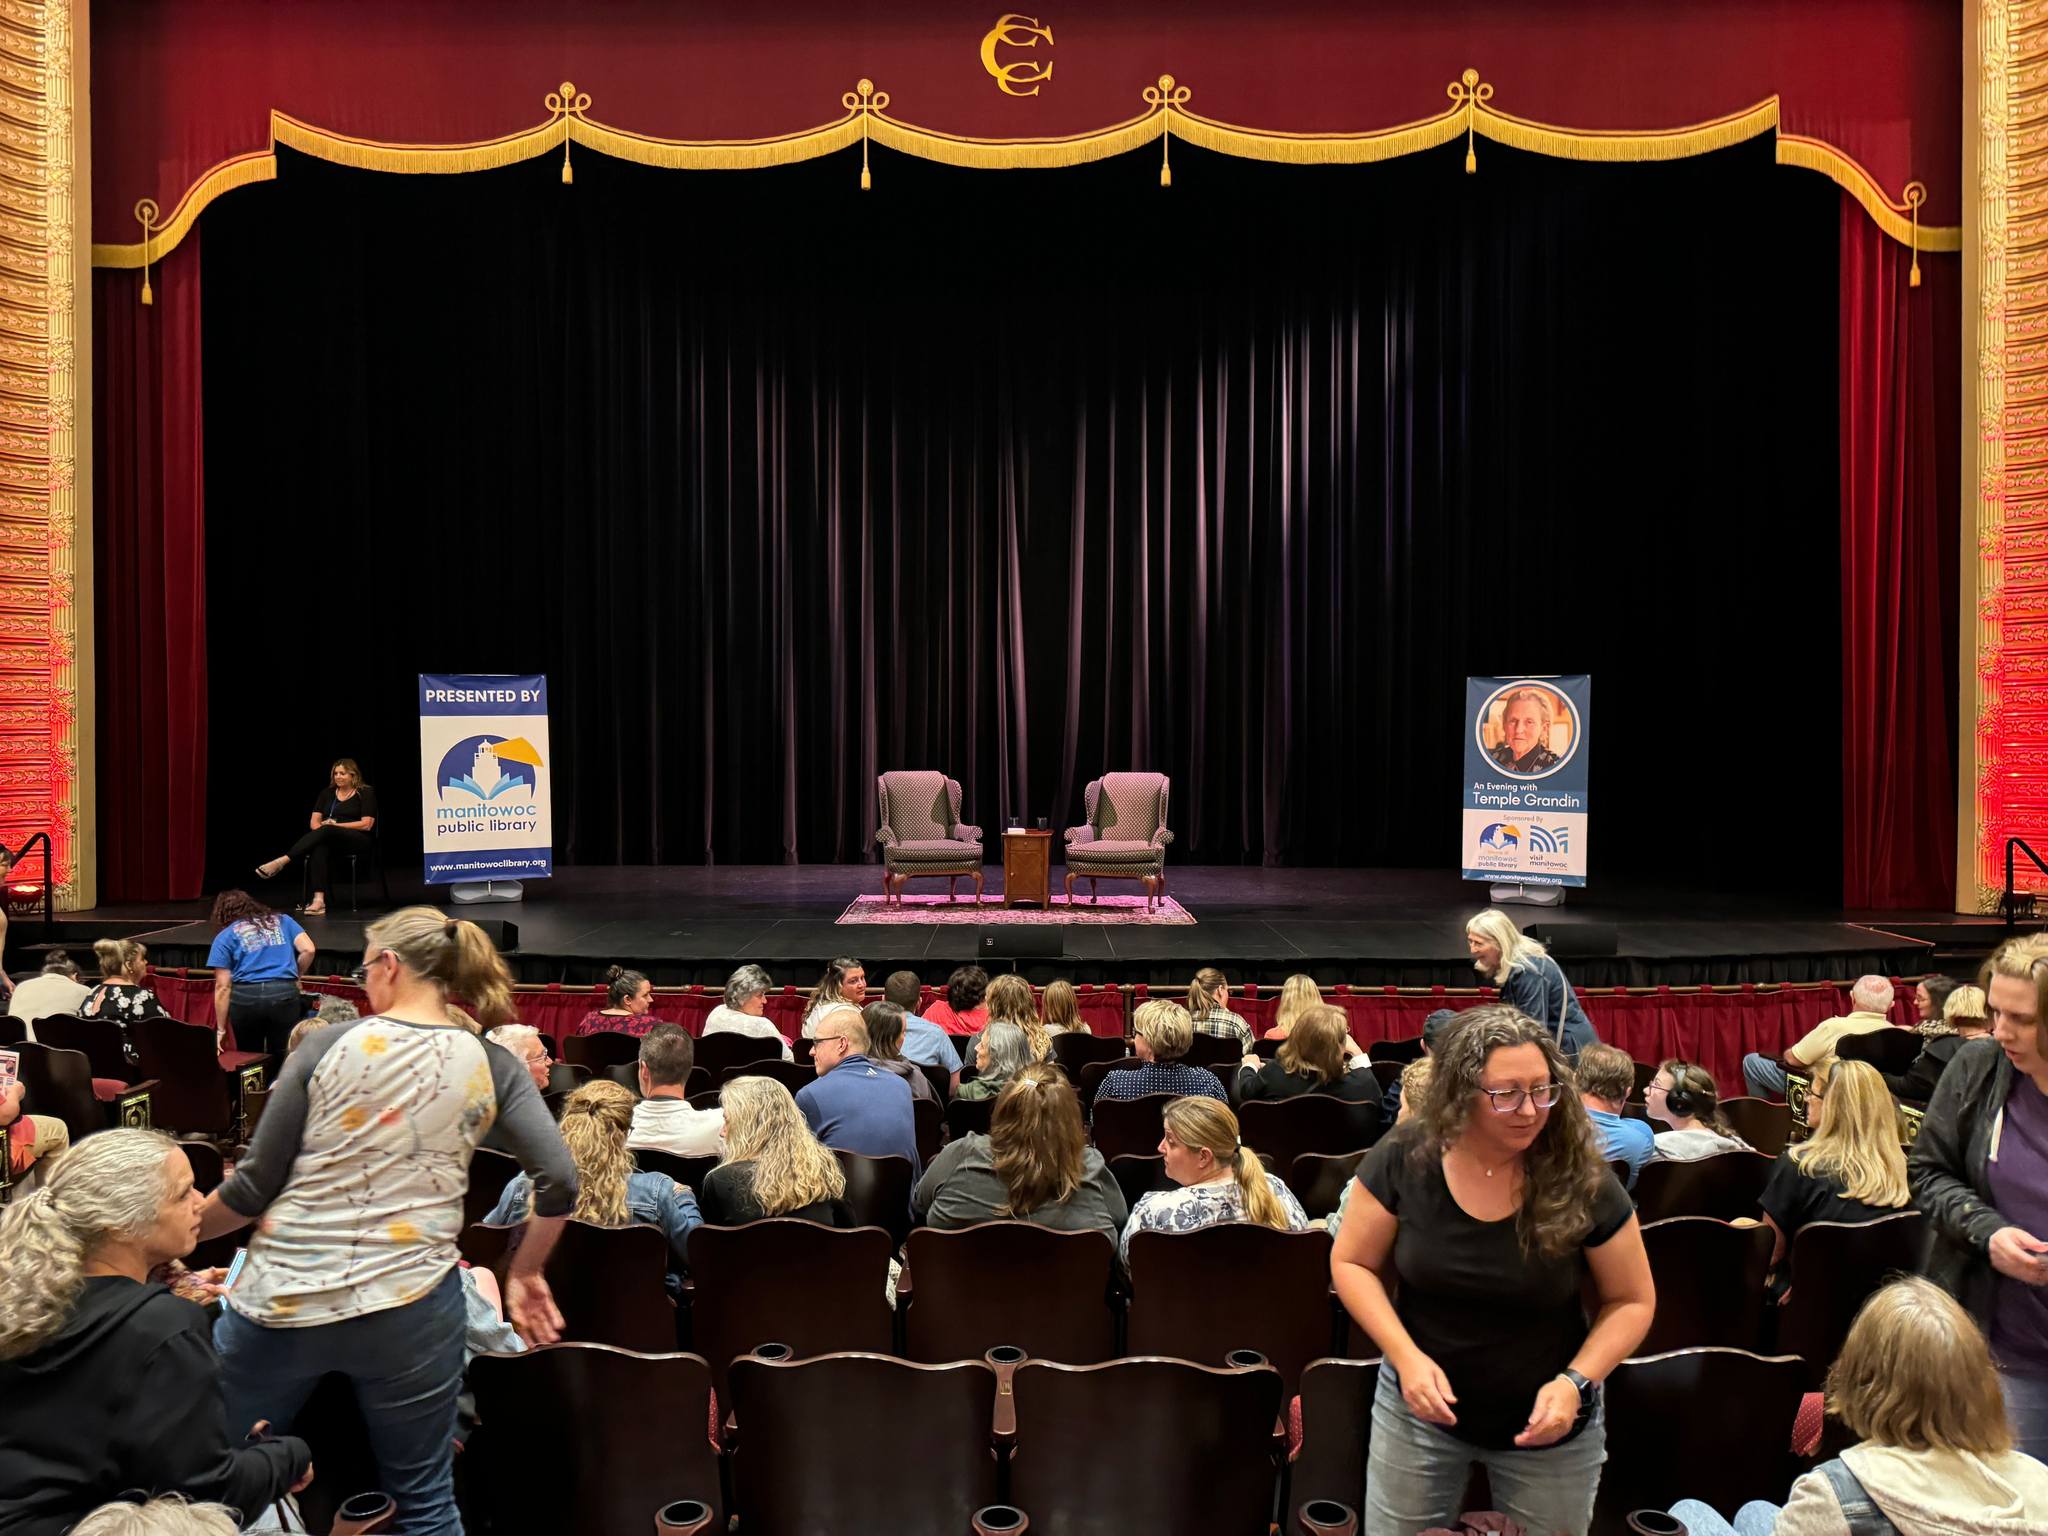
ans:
(501, 933)
(1023, 942)
(1576, 941)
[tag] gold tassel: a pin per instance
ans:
(147, 296)
(1471, 160)
(867, 182)
(1165, 174)
(1916, 194)
(568, 170)
(146, 214)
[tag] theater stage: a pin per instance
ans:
(689, 925)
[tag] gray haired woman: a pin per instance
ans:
(108, 1382)
(745, 1009)
(1000, 1052)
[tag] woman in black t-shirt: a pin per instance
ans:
(1488, 1207)
(343, 815)
(1850, 1170)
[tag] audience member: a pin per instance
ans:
(1414, 1081)
(1298, 994)
(745, 1009)
(1964, 1018)
(357, 1171)
(1209, 1010)
(923, 1041)
(167, 1516)
(1488, 1207)
(1529, 980)
(257, 958)
(610, 1192)
(1934, 1454)
(1930, 1004)
(663, 1120)
(1683, 1097)
(882, 1023)
(628, 1008)
(772, 1164)
(109, 1384)
(1607, 1076)
(1392, 1109)
(55, 991)
(1010, 1002)
(1220, 1179)
(1851, 1169)
(1000, 1052)
(1979, 1171)
(844, 984)
(1312, 1059)
(529, 1045)
(1034, 1165)
(336, 1010)
(960, 1011)
(1162, 1032)
(856, 1106)
(1870, 1006)
(1061, 1009)
(124, 994)
(30, 1138)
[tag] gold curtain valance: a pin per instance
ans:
(866, 120)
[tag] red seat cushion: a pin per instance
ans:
(108, 1089)
(234, 1061)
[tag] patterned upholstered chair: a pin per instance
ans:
(1126, 835)
(922, 833)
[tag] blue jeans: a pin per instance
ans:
(1763, 1076)
(2026, 1404)
(1756, 1518)
(406, 1366)
(1417, 1473)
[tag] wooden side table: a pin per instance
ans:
(1027, 868)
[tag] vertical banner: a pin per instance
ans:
(1525, 778)
(485, 810)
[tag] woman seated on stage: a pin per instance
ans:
(610, 1191)
(1010, 1002)
(960, 1011)
(1163, 1033)
(1061, 1010)
(344, 813)
(1034, 1165)
(745, 1009)
(1683, 1096)
(1220, 1179)
(844, 984)
(257, 958)
(628, 1009)
(772, 1165)
(1298, 994)
(1313, 1059)
(1000, 1052)
(1851, 1169)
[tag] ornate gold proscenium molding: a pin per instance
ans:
(1166, 98)
(866, 120)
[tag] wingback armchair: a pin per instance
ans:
(1126, 836)
(921, 832)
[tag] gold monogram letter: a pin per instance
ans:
(1015, 31)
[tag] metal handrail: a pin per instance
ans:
(49, 882)
(2009, 902)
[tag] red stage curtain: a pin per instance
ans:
(1900, 395)
(149, 553)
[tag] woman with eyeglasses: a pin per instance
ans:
(358, 1173)
(1487, 1207)
(1683, 1096)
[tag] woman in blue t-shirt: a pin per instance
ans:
(257, 959)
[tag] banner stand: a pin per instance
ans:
(469, 893)
(1527, 895)
(1525, 795)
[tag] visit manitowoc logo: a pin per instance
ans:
(490, 769)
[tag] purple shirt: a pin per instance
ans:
(2018, 1173)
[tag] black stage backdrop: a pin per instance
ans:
(1029, 475)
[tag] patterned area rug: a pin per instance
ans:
(915, 909)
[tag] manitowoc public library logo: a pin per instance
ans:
(1504, 835)
(490, 769)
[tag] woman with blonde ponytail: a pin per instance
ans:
(108, 1382)
(610, 1189)
(1221, 1179)
(358, 1171)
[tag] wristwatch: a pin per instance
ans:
(1588, 1389)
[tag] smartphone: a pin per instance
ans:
(235, 1268)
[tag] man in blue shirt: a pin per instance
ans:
(923, 1041)
(1607, 1076)
(855, 1106)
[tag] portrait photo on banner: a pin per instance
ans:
(1527, 729)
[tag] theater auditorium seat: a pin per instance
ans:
(1009, 1282)
(769, 1282)
(1189, 1297)
(1710, 1283)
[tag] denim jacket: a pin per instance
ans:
(652, 1200)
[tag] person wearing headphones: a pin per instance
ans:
(1683, 1096)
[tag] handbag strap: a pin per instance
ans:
(1859, 1512)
